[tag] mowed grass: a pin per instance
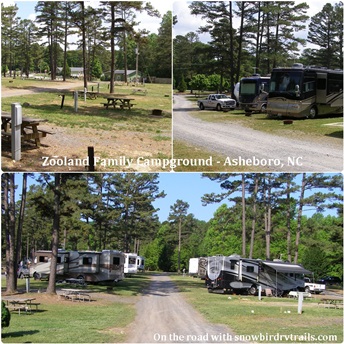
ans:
(105, 319)
(247, 316)
(323, 127)
(45, 103)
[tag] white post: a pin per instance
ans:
(85, 93)
(27, 280)
(16, 119)
(76, 101)
(299, 304)
(259, 292)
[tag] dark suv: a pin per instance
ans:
(331, 280)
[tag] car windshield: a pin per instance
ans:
(221, 96)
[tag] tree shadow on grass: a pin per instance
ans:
(18, 334)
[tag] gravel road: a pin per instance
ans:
(246, 147)
(164, 317)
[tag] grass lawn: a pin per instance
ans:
(246, 315)
(105, 319)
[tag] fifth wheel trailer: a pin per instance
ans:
(91, 266)
(233, 273)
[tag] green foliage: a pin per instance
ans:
(199, 82)
(5, 315)
(182, 85)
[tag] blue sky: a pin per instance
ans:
(26, 10)
(189, 187)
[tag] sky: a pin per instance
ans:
(152, 24)
(188, 187)
(190, 23)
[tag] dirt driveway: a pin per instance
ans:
(237, 142)
(163, 316)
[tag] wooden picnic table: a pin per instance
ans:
(119, 101)
(29, 128)
(75, 294)
(20, 304)
(330, 302)
(89, 94)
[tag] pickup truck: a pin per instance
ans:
(218, 102)
(316, 288)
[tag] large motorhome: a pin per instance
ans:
(305, 92)
(233, 273)
(130, 263)
(253, 93)
(91, 266)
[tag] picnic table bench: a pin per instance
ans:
(89, 94)
(21, 304)
(75, 294)
(139, 90)
(329, 302)
(29, 128)
(121, 102)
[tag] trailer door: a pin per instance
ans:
(321, 92)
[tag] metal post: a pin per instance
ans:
(62, 100)
(259, 292)
(27, 280)
(98, 87)
(16, 119)
(76, 101)
(91, 159)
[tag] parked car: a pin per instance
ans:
(331, 280)
(23, 271)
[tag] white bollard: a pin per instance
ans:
(16, 119)
(259, 292)
(299, 304)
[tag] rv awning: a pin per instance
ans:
(287, 267)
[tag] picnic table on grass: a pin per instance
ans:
(75, 294)
(29, 128)
(330, 302)
(20, 304)
(121, 102)
(89, 94)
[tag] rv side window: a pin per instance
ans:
(132, 260)
(43, 259)
(87, 261)
(59, 260)
(115, 260)
(250, 268)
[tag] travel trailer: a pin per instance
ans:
(140, 263)
(193, 266)
(202, 267)
(91, 266)
(233, 273)
(130, 264)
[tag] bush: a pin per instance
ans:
(5, 315)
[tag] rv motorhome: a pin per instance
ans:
(91, 266)
(130, 264)
(245, 275)
(193, 266)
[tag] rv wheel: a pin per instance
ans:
(252, 290)
(36, 276)
(312, 112)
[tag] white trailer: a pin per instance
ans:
(238, 274)
(193, 266)
(140, 263)
(130, 264)
(90, 266)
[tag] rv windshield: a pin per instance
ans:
(248, 87)
(285, 81)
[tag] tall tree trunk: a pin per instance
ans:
(84, 50)
(179, 242)
(112, 46)
(254, 214)
(55, 235)
(288, 217)
(21, 220)
(299, 218)
(243, 204)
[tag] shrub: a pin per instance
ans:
(5, 315)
